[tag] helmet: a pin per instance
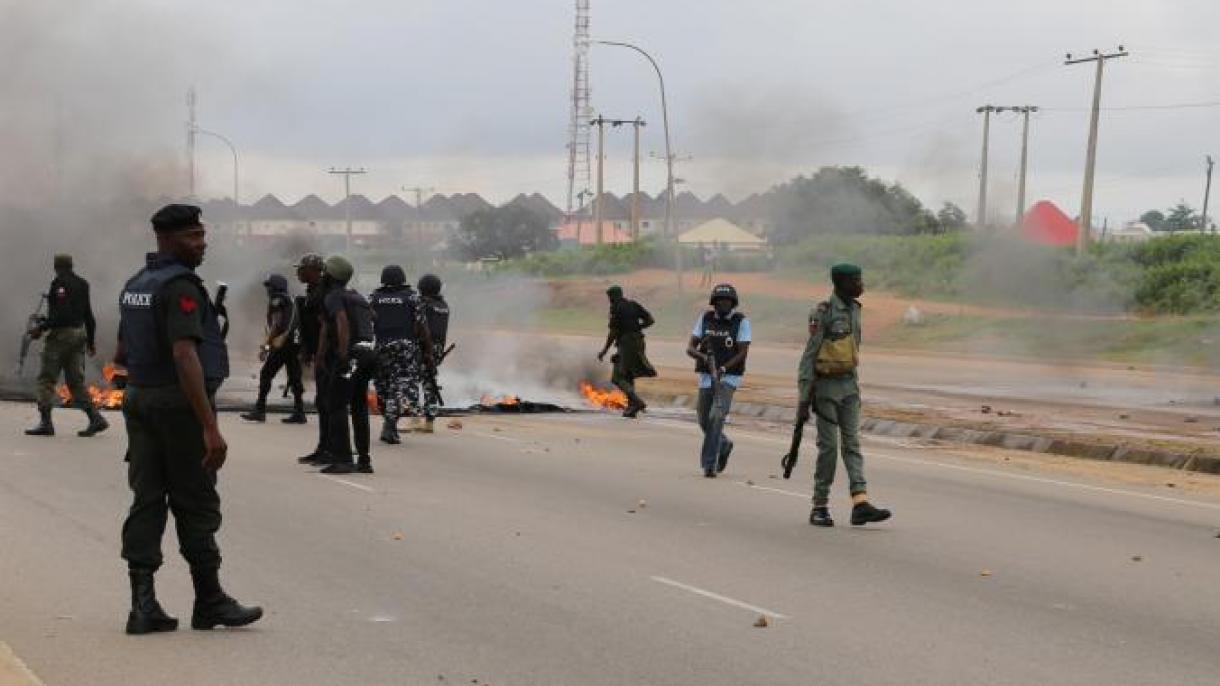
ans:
(393, 275)
(723, 290)
(429, 284)
(311, 260)
(338, 268)
(276, 283)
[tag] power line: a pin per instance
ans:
(1129, 108)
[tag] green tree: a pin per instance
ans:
(503, 232)
(1182, 217)
(951, 217)
(1155, 219)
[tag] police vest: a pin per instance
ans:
(150, 360)
(436, 311)
(395, 311)
(286, 306)
(720, 339)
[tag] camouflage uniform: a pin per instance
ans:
(398, 378)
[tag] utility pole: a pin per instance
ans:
(598, 201)
(1207, 193)
(1086, 200)
(1024, 111)
(635, 182)
(986, 111)
(581, 211)
(191, 128)
(419, 220)
(347, 173)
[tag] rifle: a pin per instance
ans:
(34, 326)
(431, 373)
(788, 462)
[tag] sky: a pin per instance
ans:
(473, 95)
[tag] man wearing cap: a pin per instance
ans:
(346, 357)
(719, 344)
(172, 344)
(403, 344)
(829, 386)
(309, 309)
(628, 319)
(280, 350)
(69, 329)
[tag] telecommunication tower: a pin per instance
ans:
(579, 167)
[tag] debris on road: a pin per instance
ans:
(643, 504)
(986, 409)
(761, 622)
(1171, 484)
(749, 482)
(985, 572)
(1124, 416)
(455, 424)
(1137, 558)
(1191, 420)
(398, 536)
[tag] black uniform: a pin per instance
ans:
(309, 309)
(283, 324)
(347, 384)
(166, 302)
(436, 314)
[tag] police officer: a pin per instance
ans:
(719, 344)
(281, 350)
(346, 357)
(628, 319)
(69, 329)
(436, 314)
(403, 344)
(309, 308)
(171, 343)
(829, 386)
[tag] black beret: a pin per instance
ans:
(175, 217)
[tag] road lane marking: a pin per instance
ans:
(498, 438)
(14, 671)
(345, 482)
(773, 490)
(716, 596)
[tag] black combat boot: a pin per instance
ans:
(635, 405)
(45, 427)
(214, 607)
(864, 512)
(258, 414)
(364, 465)
(146, 615)
(298, 413)
(389, 431)
(820, 516)
(339, 466)
(97, 423)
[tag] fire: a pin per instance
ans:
(608, 400)
(106, 397)
(491, 401)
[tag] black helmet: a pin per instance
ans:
(276, 283)
(393, 275)
(723, 290)
(429, 284)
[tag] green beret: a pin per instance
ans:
(844, 269)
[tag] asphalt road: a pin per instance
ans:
(586, 549)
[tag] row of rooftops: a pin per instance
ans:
(451, 208)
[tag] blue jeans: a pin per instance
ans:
(713, 409)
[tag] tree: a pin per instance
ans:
(952, 217)
(505, 232)
(1155, 219)
(845, 200)
(1182, 217)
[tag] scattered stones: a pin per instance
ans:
(986, 409)
(642, 504)
(630, 511)
(1137, 558)
(456, 425)
(749, 482)
(985, 572)
(398, 536)
(1124, 416)
(761, 622)
(1171, 484)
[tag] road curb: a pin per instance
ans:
(1051, 445)
(14, 672)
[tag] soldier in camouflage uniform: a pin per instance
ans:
(401, 334)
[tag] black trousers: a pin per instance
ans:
(165, 472)
(347, 395)
(320, 387)
(287, 357)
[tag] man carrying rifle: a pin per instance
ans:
(280, 350)
(436, 312)
(829, 386)
(69, 328)
(719, 345)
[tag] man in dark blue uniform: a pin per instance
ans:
(171, 342)
(280, 350)
(346, 357)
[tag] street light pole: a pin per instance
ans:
(232, 149)
(669, 155)
(347, 200)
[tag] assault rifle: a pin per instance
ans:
(35, 324)
(431, 371)
(788, 462)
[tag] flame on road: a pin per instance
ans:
(105, 396)
(492, 401)
(605, 399)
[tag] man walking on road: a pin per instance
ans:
(829, 386)
(281, 350)
(69, 331)
(171, 342)
(719, 344)
(628, 319)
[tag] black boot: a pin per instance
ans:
(339, 466)
(820, 516)
(258, 414)
(97, 423)
(298, 413)
(45, 427)
(635, 405)
(389, 431)
(214, 607)
(364, 465)
(146, 615)
(864, 512)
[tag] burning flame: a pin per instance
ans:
(106, 397)
(491, 401)
(605, 399)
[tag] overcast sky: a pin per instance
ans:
(473, 95)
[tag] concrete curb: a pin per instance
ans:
(1110, 452)
(14, 672)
